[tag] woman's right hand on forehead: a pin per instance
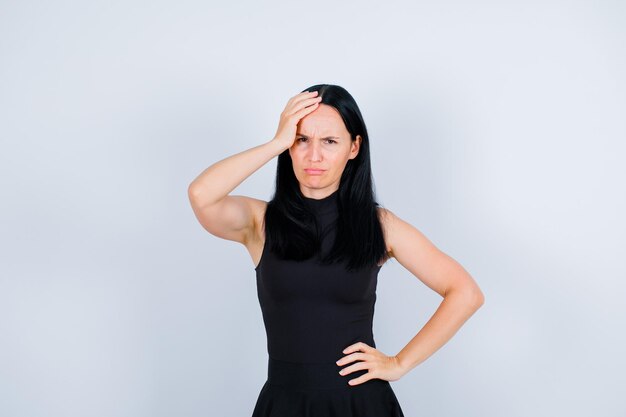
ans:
(297, 107)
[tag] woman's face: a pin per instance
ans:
(322, 142)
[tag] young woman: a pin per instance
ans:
(318, 246)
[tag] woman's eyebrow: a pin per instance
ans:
(327, 137)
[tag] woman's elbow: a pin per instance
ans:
(478, 297)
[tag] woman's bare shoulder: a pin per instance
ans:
(258, 207)
(257, 242)
(386, 217)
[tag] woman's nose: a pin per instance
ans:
(316, 151)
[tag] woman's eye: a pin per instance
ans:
(328, 140)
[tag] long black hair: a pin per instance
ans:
(290, 227)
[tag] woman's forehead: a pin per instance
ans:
(321, 123)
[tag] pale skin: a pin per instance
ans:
(316, 137)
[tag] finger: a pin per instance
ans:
(304, 96)
(352, 357)
(363, 378)
(298, 97)
(303, 112)
(301, 96)
(298, 105)
(352, 368)
(357, 346)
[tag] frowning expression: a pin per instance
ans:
(321, 150)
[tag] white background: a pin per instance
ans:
(497, 129)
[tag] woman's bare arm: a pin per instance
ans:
(223, 215)
(232, 217)
(441, 273)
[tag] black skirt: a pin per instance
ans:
(317, 390)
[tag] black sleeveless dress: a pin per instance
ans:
(312, 312)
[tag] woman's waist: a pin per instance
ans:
(314, 375)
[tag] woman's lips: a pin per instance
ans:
(314, 171)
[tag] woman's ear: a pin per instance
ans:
(356, 145)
